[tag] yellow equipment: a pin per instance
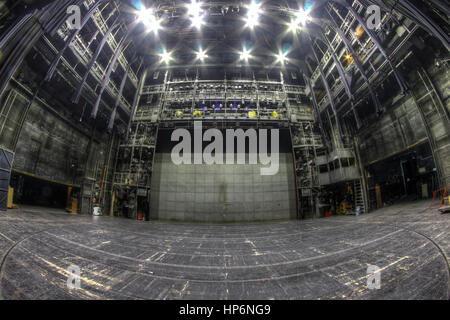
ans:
(198, 113)
(252, 114)
(378, 195)
(10, 197)
(179, 114)
(343, 207)
(275, 115)
(74, 208)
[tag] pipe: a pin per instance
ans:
(330, 96)
(22, 43)
(400, 80)
(413, 13)
(108, 74)
(136, 100)
(119, 97)
(316, 108)
(76, 97)
(85, 19)
(428, 23)
(341, 71)
(358, 63)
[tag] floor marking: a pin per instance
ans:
(64, 272)
(377, 271)
(221, 267)
(1, 234)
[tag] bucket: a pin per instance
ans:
(97, 211)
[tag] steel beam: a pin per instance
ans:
(341, 71)
(85, 19)
(76, 97)
(137, 97)
(330, 96)
(107, 77)
(358, 63)
(316, 108)
(400, 80)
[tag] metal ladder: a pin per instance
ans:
(359, 196)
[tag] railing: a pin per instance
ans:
(444, 192)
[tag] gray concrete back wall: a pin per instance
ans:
(221, 193)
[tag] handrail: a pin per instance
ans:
(435, 193)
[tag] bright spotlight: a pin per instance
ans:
(201, 55)
(281, 58)
(301, 18)
(197, 21)
(254, 10)
(165, 56)
(148, 18)
(293, 26)
(245, 55)
(195, 13)
(194, 8)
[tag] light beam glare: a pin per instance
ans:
(149, 19)
(254, 10)
(196, 14)
(166, 57)
(201, 55)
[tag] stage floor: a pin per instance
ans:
(315, 259)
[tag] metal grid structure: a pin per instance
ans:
(250, 103)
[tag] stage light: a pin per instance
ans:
(195, 13)
(197, 21)
(254, 9)
(301, 18)
(293, 26)
(149, 19)
(194, 8)
(165, 56)
(245, 55)
(201, 55)
(281, 58)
